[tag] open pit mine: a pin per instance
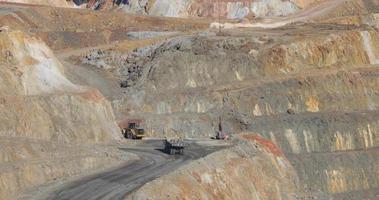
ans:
(189, 99)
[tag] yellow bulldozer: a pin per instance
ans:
(132, 129)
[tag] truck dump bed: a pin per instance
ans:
(174, 146)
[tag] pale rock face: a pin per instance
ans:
(372, 20)
(41, 70)
(169, 8)
(39, 102)
(260, 8)
(370, 50)
(136, 6)
(236, 10)
(266, 8)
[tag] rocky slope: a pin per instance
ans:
(45, 117)
(34, 83)
(253, 169)
(55, 126)
(309, 88)
(169, 68)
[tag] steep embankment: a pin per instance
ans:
(44, 117)
(312, 89)
(252, 169)
(35, 84)
(187, 82)
(309, 88)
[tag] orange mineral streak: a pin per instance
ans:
(93, 95)
(267, 144)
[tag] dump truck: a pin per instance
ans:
(132, 129)
(174, 146)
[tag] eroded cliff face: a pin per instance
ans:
(46, 120)
(254, 168)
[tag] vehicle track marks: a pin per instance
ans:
(117, 184)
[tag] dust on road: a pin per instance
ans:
(118, 183)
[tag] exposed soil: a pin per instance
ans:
(301, 83)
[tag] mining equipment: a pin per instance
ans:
(174, 146)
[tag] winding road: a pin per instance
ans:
(117, 184)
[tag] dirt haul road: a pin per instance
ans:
(117, 184)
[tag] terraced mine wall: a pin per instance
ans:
(309, 90)
(205, 86)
